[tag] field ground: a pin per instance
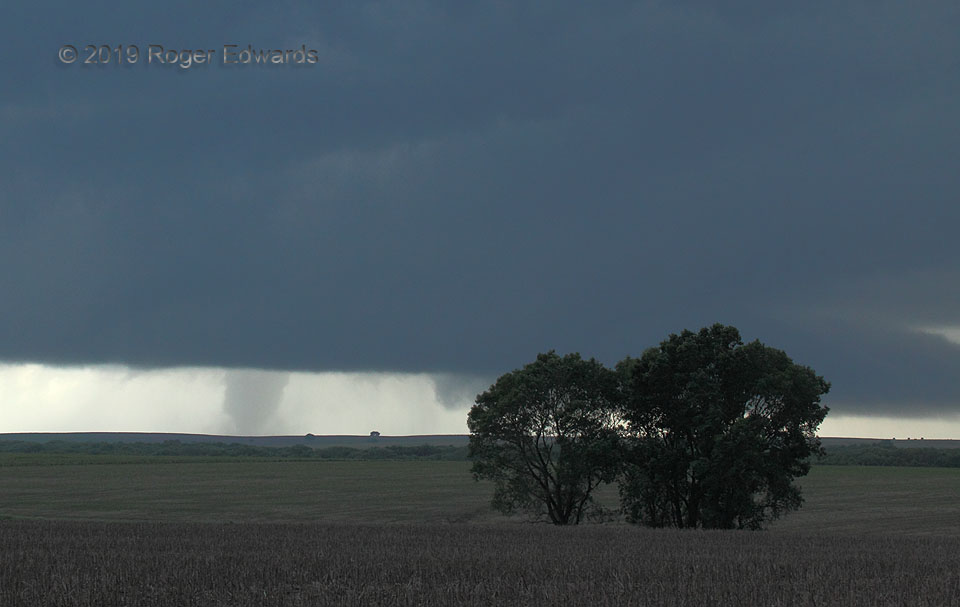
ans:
(364, 441)
(291, 533)
(311, 440)
(839, 499)
(48, 563)
(875, 500)
(255, 490)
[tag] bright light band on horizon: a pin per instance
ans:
(40, 398)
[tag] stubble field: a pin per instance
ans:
(420, 533)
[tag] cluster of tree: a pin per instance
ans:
(701, 431)
(177, 448)
(885, 453)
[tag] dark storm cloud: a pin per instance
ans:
(457, 189)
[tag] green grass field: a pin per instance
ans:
(247, 491)
(839, 499)
(875, 500)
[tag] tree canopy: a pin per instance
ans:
(701, 431)
(545, 434)
(717, 431)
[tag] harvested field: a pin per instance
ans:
(48, 563)
(421, 533)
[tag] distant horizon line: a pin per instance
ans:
(380, 435)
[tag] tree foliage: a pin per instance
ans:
(546, 435)
(717, 431)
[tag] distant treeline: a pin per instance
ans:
(177, 448)
(881, 453)
(884, 453)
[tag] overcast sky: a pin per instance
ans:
(452, 188)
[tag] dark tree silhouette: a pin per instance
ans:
(717, 431)
(545, 435)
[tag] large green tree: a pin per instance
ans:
(718, 431)
(545, 436)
